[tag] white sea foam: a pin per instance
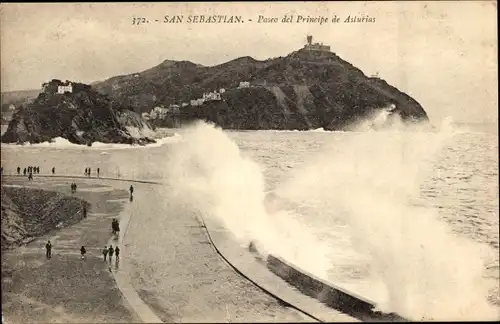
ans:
(368, 182)
(62, 143)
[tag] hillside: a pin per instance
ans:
(81, 115)
(304, 90)
(17, 98)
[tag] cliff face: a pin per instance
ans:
(82, 117)
(304, 90)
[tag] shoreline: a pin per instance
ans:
(67, 288)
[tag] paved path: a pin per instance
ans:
(66, 289)
(201, 286)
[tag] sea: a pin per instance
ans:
(406, 216)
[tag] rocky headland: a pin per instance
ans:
(306, 89)
(79, 114)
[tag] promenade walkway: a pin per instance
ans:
(66, 289)
(202, 287)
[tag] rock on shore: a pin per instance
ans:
(82, 116)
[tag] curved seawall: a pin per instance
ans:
(292, 286)
(330, 295)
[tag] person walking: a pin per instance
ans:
(84, 211)
(30, 176)
(86, 171)
(117, 253)
(83, 251)
(18, 170)
(98, 172)
(53, 170)
(105, 253)
(89, 173)
(48, 250)
(110, 252)
(24, 171)
(131, 189)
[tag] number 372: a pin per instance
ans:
(138, 21)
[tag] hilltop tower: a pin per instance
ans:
(310, 46)
(309, 39)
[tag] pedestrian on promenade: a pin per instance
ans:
(30, 176)
(89, 172)
(18, 170)
(72, 188)
(48, 250)
(117, 253)
(98, 172)
(110, 252)
(24, 171)
(83, 251)
(53, 170)
(105, 253)
(85, 171)
(84, 211)
(131, 189)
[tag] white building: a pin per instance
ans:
(197, 102)
(222, 90)
(65, 88)
(211, 96)
(184, 104)
(12, 107)
(146, 115)
(158, 113)
(244, 84)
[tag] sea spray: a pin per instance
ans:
(370, 182)
(208, 173)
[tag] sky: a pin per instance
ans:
(443, 54)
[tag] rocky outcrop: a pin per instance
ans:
(304, 90)
(82, 116)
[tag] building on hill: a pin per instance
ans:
(316, 46)
(211, 96)
(65, 87)
(60, 87)
(244, 84)
(158, 112)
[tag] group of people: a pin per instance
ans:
(73, 187)
(88, 172)
(106, 251)
(110, 251)
(28, 170)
